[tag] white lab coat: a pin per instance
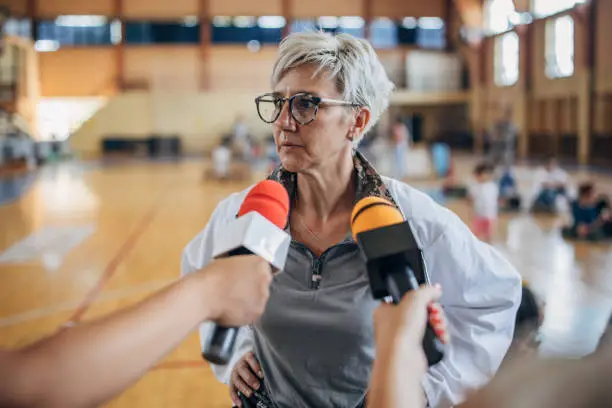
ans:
(482, 292)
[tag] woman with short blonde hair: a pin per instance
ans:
(314, 345)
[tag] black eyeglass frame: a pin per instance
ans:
(317, 101)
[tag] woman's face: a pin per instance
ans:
(324, 140)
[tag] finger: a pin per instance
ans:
(242, 387)
(441, 332)
(420, 299)
(438, 322)
(381, 310)
(254, 364)
(234, 395)
(248, 377)
(414, 308)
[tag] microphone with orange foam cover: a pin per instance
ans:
(373, 212)
(392, 257)
(257, 230)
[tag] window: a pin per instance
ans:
(248, 30)
(352, 25)
(560, 47)
(186, 31)
(407, 31)
(18, 27)
(506, 59)
(543, 8)
(431, 33)
(499, 15)
(71, 31)
(58, 118)
(301, 25)
(383, 33)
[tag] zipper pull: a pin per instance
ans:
(316, 274)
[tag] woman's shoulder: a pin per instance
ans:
(198, 251)
(227, 208)
(428, 218)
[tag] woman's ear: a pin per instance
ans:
(362, 118)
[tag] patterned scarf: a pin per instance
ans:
(369, 182)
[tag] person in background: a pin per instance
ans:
(503, 138)
(484, 194)
(90, 363)
(222, 159)
(529, 318)
(591, 216)
(241, 139)
(509, 197)
(551, 186)
(271, 153)
(400, 139)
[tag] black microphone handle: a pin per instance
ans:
(399, 282)
(220, 344)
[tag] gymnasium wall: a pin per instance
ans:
(212, 83)
(201, 118)
(198, 118)
(163, 9)
(166, 96)
(92, 71)
(78, 72)
(554, 116)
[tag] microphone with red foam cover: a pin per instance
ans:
(257, 230)
(269, 198)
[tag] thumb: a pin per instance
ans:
(414, 306)
(382, 310)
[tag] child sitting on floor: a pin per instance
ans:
(222, 159)
(509, 198)
(591, 216)
(529, 318)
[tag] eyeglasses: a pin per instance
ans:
(303, 106)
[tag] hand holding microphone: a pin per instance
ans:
(257, 230)
(236, 289)
(400, 362)
(393, 260)
(398, 329)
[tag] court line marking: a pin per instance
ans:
(179, 365)
(123, 251)
(67, 306)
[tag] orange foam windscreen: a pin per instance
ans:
(270, 199)
(373, 212)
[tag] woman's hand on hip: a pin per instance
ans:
(245, 378)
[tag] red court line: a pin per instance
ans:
(173, 365)
(111, 268)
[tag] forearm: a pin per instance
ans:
(88, 364)
(396, 382)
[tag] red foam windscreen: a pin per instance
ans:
(270, 199)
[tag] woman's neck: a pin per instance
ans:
(327, 189)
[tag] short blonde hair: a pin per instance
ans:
(352, 62)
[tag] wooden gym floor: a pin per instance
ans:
(82, 240)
